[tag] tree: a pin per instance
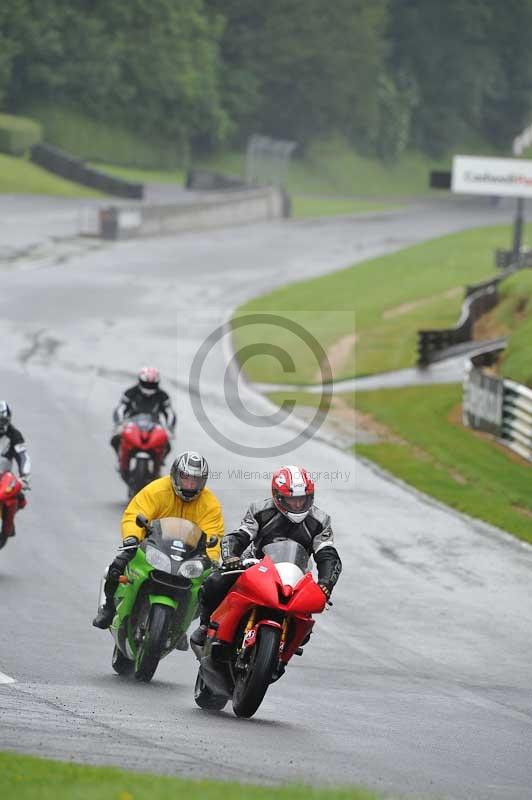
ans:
(152, 65)
(301, 69)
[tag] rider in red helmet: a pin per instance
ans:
(144, 398)
(290, 513)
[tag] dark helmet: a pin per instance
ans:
(149, 378)
(5, 417)
(189, 474)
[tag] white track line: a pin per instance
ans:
(6, 678)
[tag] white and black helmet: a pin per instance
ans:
(5, 417)
(189, 474)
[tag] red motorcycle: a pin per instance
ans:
(143, 445)
(11, 499)
(262, 622)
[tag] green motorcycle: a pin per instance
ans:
(157, 597)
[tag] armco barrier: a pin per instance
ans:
(501, 407)
(506, 259)
(229, 208)
(74, 169)
(516, 431)
(206, 180)
(479, 298)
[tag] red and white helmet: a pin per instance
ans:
(293, 492)
(149, 378)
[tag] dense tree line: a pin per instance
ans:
(387, 74)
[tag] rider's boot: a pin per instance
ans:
(105, 614)
(199, 636)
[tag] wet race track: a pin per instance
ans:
(416, 682)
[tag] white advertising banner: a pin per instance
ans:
(511, 177)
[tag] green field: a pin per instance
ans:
(27, 778)
(20, 176)
(108, 142)
(513, 317)
(304, 206)
(424, 441)
(425, 444)
(137, 175)
(383, 302)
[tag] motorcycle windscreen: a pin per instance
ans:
(290, 558)
(145, 422)
(175, 529)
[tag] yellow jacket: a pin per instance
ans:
(158, 500)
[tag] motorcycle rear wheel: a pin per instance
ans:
(207, 699)
(141, 477)
(153, 643)
(121, 664)
(251, 686)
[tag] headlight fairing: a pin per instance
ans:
(191, 569)
(159, 560)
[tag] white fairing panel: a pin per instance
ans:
(289, 573)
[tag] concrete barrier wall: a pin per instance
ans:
(215, 210)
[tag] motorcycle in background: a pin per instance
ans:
(11, 499)
(261, 623)
(144, 443)
(157, 597)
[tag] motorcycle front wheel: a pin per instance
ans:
(251, 685)
(153, 642)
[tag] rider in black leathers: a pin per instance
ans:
(289, 514)
(144, 398)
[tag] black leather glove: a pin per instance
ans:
(231, 563)
(325, 589)
(125, 554)
(130, 541)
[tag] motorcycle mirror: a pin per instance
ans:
(212, 541)
(141, 521)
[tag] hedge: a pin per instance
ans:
(18, 134)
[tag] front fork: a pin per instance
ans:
(250, 632)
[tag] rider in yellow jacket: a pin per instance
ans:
(158, 499)
(181, 494)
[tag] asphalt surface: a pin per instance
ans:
(416, 682)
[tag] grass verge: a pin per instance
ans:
(419, 287)
(141, 175)
(304, 207)
(28, 778)
(96, 140)
(512, 317)
(422, 441)
(19, 176)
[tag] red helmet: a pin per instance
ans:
(149, 378)
(293, 492)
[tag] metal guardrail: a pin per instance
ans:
(501, 407)
(506, 259)
(74, 169)
(516, 427)
(479, 298)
